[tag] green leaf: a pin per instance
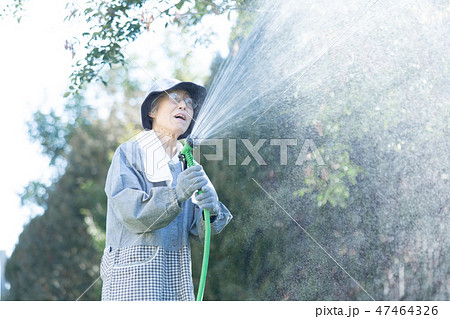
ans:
(179, 4)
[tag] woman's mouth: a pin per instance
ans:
(180, 116)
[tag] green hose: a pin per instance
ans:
(186, 152)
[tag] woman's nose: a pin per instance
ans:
(182, 105)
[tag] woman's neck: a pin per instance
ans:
(168, 141)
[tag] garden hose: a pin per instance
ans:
(187, 158)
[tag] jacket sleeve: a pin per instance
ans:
(218, 222)
(139, 211)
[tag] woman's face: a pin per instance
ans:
(172, 115)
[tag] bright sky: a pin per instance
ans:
(34, 75)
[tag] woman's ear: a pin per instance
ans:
(151, 114)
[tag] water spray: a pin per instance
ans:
(368, 78)
(187, 159)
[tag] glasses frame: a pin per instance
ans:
(175, 98)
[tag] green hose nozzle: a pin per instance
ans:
(187, 158)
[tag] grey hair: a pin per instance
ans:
(155, 103)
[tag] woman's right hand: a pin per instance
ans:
(190, 180)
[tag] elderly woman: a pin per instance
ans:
(150, 214)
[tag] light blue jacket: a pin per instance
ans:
(141, 212)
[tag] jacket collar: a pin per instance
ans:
(156, 160)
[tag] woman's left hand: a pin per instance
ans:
(208, 199)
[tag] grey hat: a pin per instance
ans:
(197, 93)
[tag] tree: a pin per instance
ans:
(380, 200)
(58, 254)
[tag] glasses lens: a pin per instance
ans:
(175, 98)
(190, 102)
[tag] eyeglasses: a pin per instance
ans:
(176, 98)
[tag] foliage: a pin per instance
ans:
(58, 254)
(377, 206)
(56, 258)
(116, 23)
(14, 8)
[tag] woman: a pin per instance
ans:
(150, 214)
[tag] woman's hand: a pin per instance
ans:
(190, 180)
(208, 200)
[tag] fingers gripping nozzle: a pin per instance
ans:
(185, 155)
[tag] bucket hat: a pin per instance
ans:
(197, 93)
